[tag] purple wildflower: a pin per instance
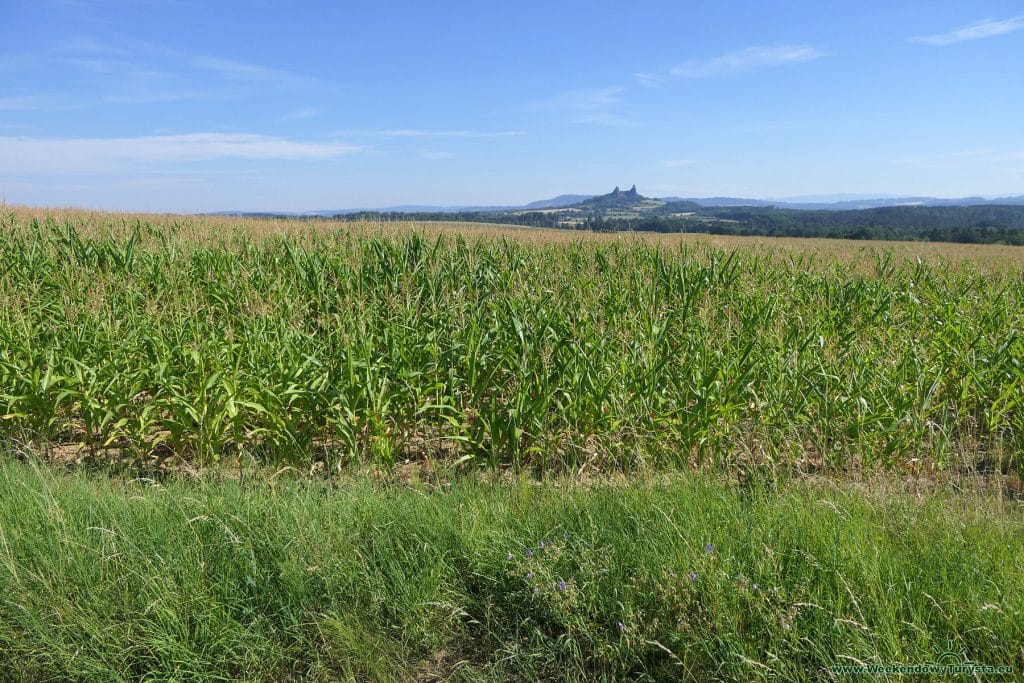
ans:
(693, 576)
(510, 557)
(709, 548)
(529, 553)
(535, 589)
(565, 535)
(561, 585)
(529, 576)
(620, 625)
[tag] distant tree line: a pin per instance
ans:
(987, 224)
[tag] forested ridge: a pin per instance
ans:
(987, 224)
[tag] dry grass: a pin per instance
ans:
(858, 253)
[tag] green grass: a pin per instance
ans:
(269, 344)
(107, 579)
(149, 340)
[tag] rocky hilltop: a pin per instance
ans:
(619, 200)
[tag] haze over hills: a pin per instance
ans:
(560, 201)
(865, 203)
(633, 198)
(846, 203)
(900, 218)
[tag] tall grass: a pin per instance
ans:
(672, 579)
(337, 346)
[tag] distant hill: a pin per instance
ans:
(727, 201)
(972, 220)
(815, 204)
(615, 199)
(559, 202)
(632, 201)
(678, 206)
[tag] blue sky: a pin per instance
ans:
(189, 105)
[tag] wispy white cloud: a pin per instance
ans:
(605, 119)
(125, 80)
(24, 103)
(242, 71)
(976, 31)
(82, 155)
(649, 79)
(138, 72)
(157, 95)
(423, 133)
(299, 114)
(587, 99)
(121, 67)
(141, 57)
(81, 44)
(678, 163)
(749, 59)
(17, 62)
(104, 183)
(589, 106)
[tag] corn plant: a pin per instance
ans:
(150, 339)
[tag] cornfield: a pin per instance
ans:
(140, 339)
